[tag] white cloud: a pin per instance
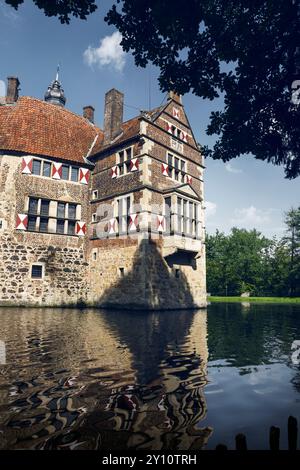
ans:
(108, 53)
(231, 169)
(211, 208)
(250, 217)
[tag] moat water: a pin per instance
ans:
(92, 379)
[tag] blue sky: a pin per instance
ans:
(244, 193)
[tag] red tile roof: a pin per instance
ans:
(36, 127)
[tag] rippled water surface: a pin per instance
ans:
(90, 379)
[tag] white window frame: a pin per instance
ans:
(123, 164)
(43, 271)
(172, 169)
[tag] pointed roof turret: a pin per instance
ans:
(55, 93)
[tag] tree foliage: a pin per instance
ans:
(247, 51)
(248, 261)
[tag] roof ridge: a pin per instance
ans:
(58, 108)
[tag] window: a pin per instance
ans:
(94, 255)
(44, 224)
(65, 169)
(74, 174)
(177, 273)
(36, 167)
(72, 211)
(71, 227)
(122, 272)
(60, 226)
(94, 217)
(39, 218)
(123, 213)
(61, 210)
(31, 225)
(37, 271)
(187, 220)
(45, 207)
(47, 169)
(177, 167)
(168, 214)
(124, 158)
(95, 194)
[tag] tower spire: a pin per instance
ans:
(55, 93)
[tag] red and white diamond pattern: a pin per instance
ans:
(56, 170)
(112, 226)
(133, 222)
(165, 169)
(27, 165)
(115, 171)
(189, 179)
(134, 164)
(161, 223)
(169, 128)
(84, 175)
(80, 229)
(176, 113)
(184, 136)
(22, 221)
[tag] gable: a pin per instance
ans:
(185, 189)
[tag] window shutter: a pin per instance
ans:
(80, 229)
(84, 175)
(27, 163)
(22, 222)
(56, 170)
(115, 171)
(134, 164)
(165, 169)
(161, 223)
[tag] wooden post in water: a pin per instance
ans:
(240, 442)
(292, 433)
(274, 438)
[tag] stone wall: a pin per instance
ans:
(63, 257)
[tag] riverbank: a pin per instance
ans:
(289, 300)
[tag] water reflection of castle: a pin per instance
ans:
(127, 380)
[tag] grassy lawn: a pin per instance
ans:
(288, 300)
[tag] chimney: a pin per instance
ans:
(12, 94)
(88, 113)
(172, 95)
(113, 115)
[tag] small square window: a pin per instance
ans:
(47, 169)
(36, 167)
(122, 272)
(65, 172)
(33, 205)
(37, 271)
(94, 217)
(95, 194)
(74, 174)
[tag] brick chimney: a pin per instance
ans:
(12, 94)
(88, 113)
(113, 115)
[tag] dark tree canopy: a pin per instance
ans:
(64, 9)
(248, 51)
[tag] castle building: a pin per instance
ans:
(105, 218)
